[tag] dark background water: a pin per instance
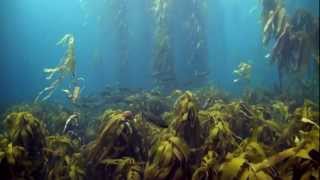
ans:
(30, 29)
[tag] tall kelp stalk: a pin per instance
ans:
(120, 21)
(197, 48)
(163, 61)
(295, 46)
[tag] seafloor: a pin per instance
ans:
(135, 134)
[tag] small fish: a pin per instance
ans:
(235, 80)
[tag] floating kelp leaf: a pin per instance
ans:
(67, 67)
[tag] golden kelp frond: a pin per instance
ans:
(168, 159)
(75, 166)
(187, 120)
(107, 136)
(14, 161)
(60, 146)
(221, 139)
(26, 130)
(63, 159)
(253, 151)
(207, 169)
(297, 158)
(238, 167)
(308, 112)
(125, 168)
(231, 167)
(243, 118)
(10, 153)
(117, 137)
(67, 167)
(280, 111)
(275, 24)
(150, 132)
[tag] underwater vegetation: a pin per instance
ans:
(120, 21)
(243, 72)
(167, 133)
(208, 135)
(163, 62)
(196, 40)
(294, 39)
(66, 68)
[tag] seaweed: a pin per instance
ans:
(66, 68)
(63, 160)
(163, 64)
(226, 139)
(207, 169)
(243, 72)
(168, 159)
(123, 168)
(14, 162)
(117, 138)
(186, 120)
(28, 132)
(295, 46)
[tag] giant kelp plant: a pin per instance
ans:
(295, 46)
(120, 21)
(163, 63)
(66, 68)
(196, 42)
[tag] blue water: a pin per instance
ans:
(30, 29)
